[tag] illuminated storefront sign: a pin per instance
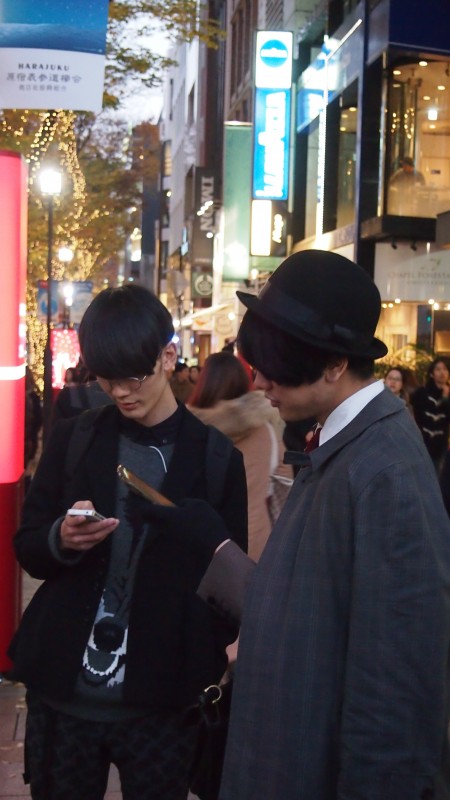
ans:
(272, 117)
(66, 353)
(271, 144)
(268, 228)
(413, 276)
(13, 236)
(273, 65)
(13, 276)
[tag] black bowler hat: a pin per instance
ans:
(324, 300)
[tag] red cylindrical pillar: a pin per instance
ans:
(13, 236)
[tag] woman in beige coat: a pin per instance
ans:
(222, 398)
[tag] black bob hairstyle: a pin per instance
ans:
(123, 332)
(284, 359)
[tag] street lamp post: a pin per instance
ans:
(50, 183)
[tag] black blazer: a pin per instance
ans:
(176, 643)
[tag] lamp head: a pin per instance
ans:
(50, 181)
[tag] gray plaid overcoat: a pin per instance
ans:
(341, 688)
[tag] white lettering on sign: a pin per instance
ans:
(207, 200)
(272, 139)
(278, 225)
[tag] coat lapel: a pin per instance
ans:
(186, 474)
(101, 464)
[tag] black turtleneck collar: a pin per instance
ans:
(163, 433)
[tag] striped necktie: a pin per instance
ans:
(314, 441)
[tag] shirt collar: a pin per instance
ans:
(349, 409)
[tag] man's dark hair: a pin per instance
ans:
(285, 359)
(123, 332)
(180, 366)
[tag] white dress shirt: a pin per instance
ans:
(348, 410)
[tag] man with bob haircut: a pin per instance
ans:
(341, 687)
(115, 647)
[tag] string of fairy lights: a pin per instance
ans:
(41, 137)
(55, 127)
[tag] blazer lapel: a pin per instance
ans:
(186, 472)
(101, 464)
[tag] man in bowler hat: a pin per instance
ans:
(341, 683)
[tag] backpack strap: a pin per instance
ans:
(218, 454)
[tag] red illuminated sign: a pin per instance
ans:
(13, 236)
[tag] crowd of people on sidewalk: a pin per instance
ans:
(165, 576)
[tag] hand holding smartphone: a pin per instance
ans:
(90, 513)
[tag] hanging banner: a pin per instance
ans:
(237, 180)
(52, 54)
(203, 226)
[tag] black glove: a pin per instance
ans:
(193, 523)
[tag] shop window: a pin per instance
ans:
(347, 166)
(418, 139)
(340, 161)
(338, 11)
(312, 181)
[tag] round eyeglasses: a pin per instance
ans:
(132, 384)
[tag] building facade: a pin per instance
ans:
(368, 138)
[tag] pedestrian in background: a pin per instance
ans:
(407, 177)
(33, 424)
(70, 376)
(431, 407)
(222, 398)
(395, 381)
(76, 397)
(180, 384)
(341, 685)
(115, 648)
(194, 372)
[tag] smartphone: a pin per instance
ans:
(90, 514)
(140, 487)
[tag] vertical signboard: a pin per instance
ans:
(203, 228)
(236, 200)
(271, 142)
(13, 236)
(52, 54)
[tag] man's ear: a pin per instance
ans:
(335, 369)
(169, 357)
